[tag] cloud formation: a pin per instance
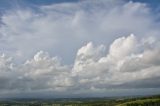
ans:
(70, 25)
(113, 58)
(92, 70)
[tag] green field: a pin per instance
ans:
(145, 102)
(120, 101)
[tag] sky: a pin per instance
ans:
(79, 48)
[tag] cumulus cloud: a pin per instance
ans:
(93, 71)
(42, 73)
(124, 64)
(113, 58)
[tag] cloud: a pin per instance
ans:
(46, 72)
(88, 54)
(38, 74)
(70, 25)
(113, 58)
(93, 71)
(124, 65)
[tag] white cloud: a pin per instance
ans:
(5, 63)
(69, 25)
(122, 66)
(123, 47)
(46, 72)
(92, 71)
(88, 55)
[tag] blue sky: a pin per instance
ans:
(42, 2)
(71, 48)
(8, 3)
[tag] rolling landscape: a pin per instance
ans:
(103, 101)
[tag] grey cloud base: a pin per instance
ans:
(124, 67)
